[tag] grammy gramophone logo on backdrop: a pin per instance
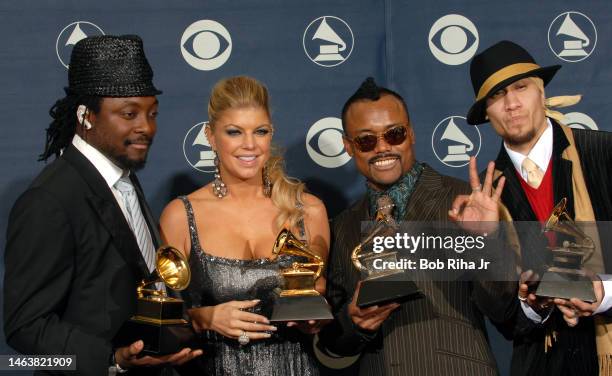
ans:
(328, 41)
(197, 150)
(572, 36)
(70, 35)
(454, 141)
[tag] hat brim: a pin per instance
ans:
(477, 114)
(118, 91)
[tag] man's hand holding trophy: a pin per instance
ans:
(158, 321)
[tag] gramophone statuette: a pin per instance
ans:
(380, 286)
(158, 320)
(298, 300)
(565, 277)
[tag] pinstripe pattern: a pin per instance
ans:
(136, 221)
(574, 352)
(442, 334)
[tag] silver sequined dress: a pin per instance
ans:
(218, 280)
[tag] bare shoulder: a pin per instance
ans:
(175, 211)
(174, 214)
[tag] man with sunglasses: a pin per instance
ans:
(444, 332)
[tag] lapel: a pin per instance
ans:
(513, 195)
(426, 196)
(105, 205)
(146, 212)
(359, 212)
(561, 170)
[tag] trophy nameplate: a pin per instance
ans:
(159, 321)
(566, 277)
(298, 300)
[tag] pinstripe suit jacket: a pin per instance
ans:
(595, 151)
(442, 334)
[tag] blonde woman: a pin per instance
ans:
(227, 229)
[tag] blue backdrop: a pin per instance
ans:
(312, 55)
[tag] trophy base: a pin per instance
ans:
(386, 289)
(158, 339)
(566, 286)
(301, 308)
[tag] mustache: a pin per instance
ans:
(515, 114)
(383, 156)
(142, 140)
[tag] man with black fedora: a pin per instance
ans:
(81, 237)
(544, 161)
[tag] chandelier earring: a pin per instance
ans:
(267, 184)
(218, 186)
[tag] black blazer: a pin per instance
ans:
(72, 265)
(574, 353)
(442, 334)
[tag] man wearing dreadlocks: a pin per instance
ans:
(542, 162)
(81, 237)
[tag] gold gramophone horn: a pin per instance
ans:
(172, 268)
(382, 224)
(555, 216)
(286, 243)
(560, 221)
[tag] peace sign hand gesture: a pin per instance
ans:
(479, 211)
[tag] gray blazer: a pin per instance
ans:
(441, 334)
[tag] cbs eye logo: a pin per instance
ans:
(206, 45)
(324, 143)
(453, 39)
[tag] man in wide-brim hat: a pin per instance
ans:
(81, 237)
(544, 161)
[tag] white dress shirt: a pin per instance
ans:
(540, 154)
(109, 171)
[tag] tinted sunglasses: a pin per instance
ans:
(393, 136)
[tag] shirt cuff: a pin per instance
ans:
(606, 302)
(533, 315)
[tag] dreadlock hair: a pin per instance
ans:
(63, 127)
(369, 90)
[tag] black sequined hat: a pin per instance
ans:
(110, 66)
